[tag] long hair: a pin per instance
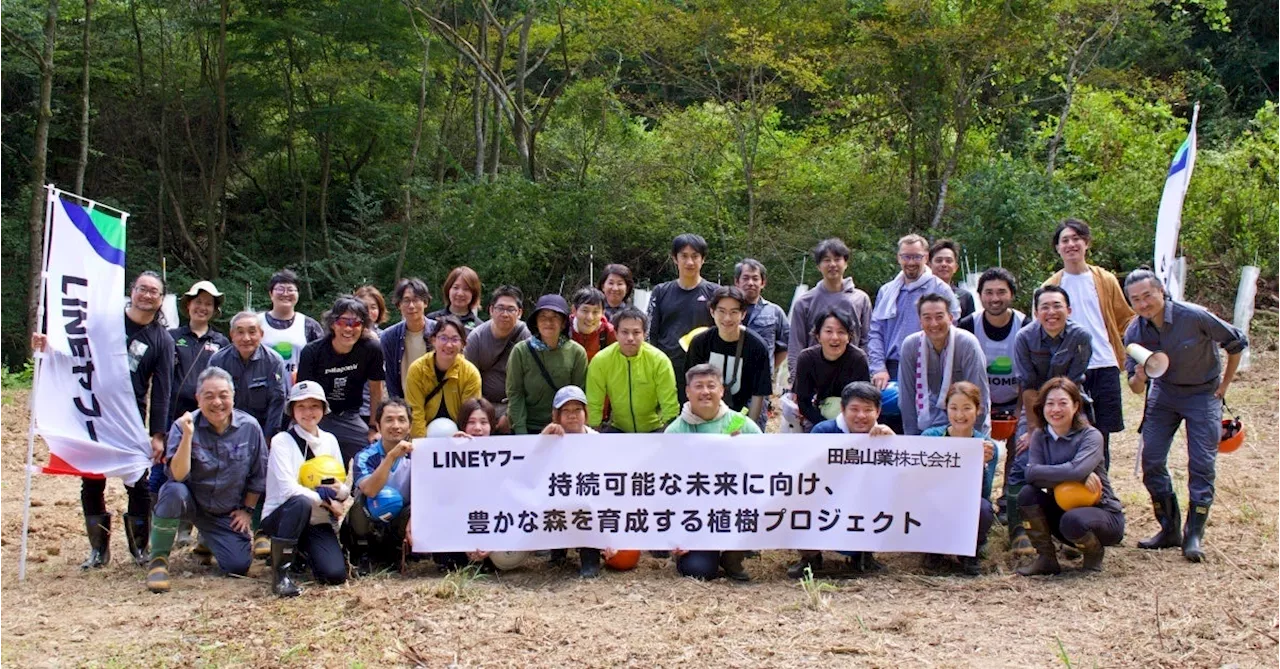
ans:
(342, 305)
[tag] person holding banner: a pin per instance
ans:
(541, 365)
(963, 400)
(1065, 448)
(569, 416)
(440, 381)
(382, 483)
(478, 418)
(823, 371)
(634, 379)
(859, 414)
(706, 412)
(342, 362)
(151, 358)
(1098, 305)
(217, 470)
(1051, 346)
(298, 517)
(1191, 391)
(934, 359)
(284, 330)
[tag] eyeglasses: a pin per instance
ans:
(285, 290)
(147, 290)
(413, 300)
(728, 312)
(453, 341)
(503, 309)
(911, 257)
(349, 322)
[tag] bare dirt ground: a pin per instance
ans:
(1148, 608)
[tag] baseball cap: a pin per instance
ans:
(569, 394)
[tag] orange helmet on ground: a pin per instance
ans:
(623, 560)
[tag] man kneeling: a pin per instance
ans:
(217, 470)
(706, 412)
(859, 414)
(377, 527)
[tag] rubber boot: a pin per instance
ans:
(1018, 542)
(559, 557)
(137, 531)
(590, 562)
(184, 537)
(970, 566)
(1092, 550)
(1193, 535)
(809, 560)
(163, 531)
(98, 527)
(864, 562)
(261, 546)
(731, 563)
(1037, 529)
(1170, 519)
(282, 557)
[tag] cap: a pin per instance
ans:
(569, 394)
(203, 286)
(550, 303)
(307, 390)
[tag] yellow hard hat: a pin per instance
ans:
(321, 469)
(688, 336)
(1074, 495)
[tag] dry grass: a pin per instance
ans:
(1148, 609)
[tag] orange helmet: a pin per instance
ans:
(1232, 435)
(623, 560)
(1074, 495)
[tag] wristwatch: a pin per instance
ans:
(247, 509)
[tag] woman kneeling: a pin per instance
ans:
(304, 497)
(1065, 449)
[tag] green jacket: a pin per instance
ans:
(528, 395)
(640, 391)
(727, 421)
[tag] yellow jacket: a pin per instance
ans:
(1116, 312)
(461, 383)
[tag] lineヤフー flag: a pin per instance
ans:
(1169, 219)
(84, 404)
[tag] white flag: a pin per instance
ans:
(1169, 220)
(84, 403)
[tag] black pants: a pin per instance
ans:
(93, 496)
(363, 535)
(291, 522)
(1070, 526)
(351, 432)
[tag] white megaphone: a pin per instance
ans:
(1155, 363)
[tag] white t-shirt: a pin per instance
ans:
(1087, 313)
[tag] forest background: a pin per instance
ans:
(535, 140)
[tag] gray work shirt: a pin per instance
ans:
(224, 467)
(970, 364)
(261, 384)
(1037, 357)
(770, 322)
(1190, 336)
(1052, 460)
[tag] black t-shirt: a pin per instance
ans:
(151, 357)
(993, 333)
(443, 411)
(745, 374)
(343, 376)
(818, 378)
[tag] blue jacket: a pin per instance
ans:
(393, 350)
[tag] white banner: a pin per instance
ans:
(84, 403)
(697, 492)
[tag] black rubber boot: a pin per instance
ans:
(282, 557)
(184, 537)
(1092, 550)
(864, 562)
(731, 563)
(137, 532)
(559, 557)
(970, 566)
(1170, 518)
(1037, 528)
(98, 527)
(1193, 536)
(809, 561)
(589, 559)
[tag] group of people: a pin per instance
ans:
(290, 440)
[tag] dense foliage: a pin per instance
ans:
(535, 140)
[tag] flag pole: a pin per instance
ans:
(35, 382)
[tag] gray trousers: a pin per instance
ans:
(230, 548)
(1202, 413)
